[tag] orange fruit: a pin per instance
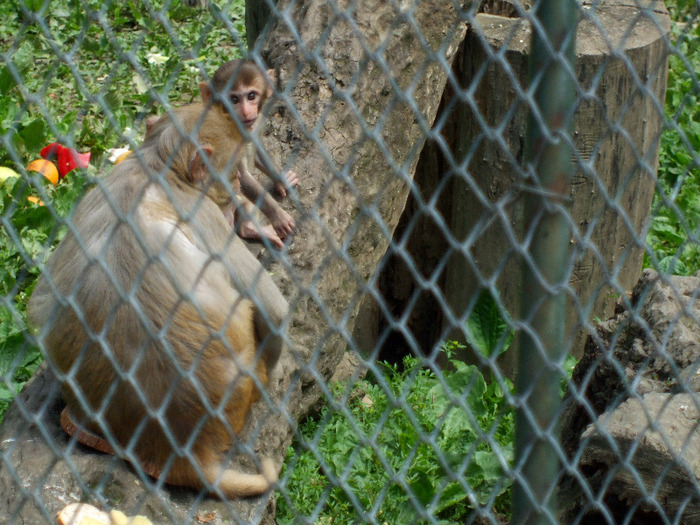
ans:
(35, 200)
(122, 157)
(47, 168)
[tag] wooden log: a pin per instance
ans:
(479, 185)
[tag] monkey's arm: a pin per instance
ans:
(281, 180)
(281, 221)
(268, 167)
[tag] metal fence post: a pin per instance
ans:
(549, 162)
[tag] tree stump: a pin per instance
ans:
(622, 68)
(342, 124)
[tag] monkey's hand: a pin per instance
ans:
(289, 180)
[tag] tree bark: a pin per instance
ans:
(257, 16)
(355, 140)
(616, 136)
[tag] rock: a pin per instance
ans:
(657, 436)
(634, 432)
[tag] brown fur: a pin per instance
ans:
(146, 306)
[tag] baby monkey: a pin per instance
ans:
(242, 86)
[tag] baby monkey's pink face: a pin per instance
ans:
(246, 101)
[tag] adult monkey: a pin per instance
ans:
(156, 317)
(242, 86)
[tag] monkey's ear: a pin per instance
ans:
(198, 167)
(205, 91)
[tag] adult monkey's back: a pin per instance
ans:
(142, 311)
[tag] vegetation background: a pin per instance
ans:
(86, 73)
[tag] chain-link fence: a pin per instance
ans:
(466, 293)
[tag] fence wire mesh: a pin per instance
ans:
(419, 265)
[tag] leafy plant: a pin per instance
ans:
(412, 443)
(29, 230)
(424, 443)
(674, 232)
(88, 70)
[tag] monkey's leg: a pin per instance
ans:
(271, 308)
(256, 232)
(248, 226)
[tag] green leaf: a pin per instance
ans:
(490, 474)
(34, 135)
(673, 265)
(67, 123)
(7, 81)
(33, 5)
(456, 425)
(6, 395)
(487, 331)
(114, 100)
(8, 114)
(422, 487)
(452, 494)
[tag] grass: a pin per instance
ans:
(673, 240)
(411, 444)
(407, 444)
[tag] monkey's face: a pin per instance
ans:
(247, 102)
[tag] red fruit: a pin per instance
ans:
(51, 151)
(69, 159)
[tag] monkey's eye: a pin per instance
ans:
(252, 95)
(235, 99)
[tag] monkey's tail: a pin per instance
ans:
(229, 483)
(236, 484)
